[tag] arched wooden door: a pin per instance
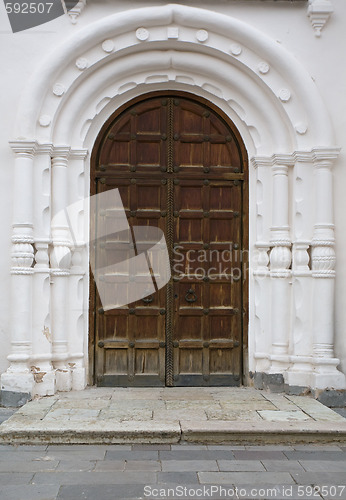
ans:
(179, 165)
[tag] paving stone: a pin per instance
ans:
(122, 415)
(316, 447)
(323, 465)
(15, 478)
(96, 477)
(283, 416)
(280, 401)
(83, 404)
(119, 447)
(196, 455)
(90, 448)
(247, 405)
(321, 478)
(110, 465)
(29, 492)
(155, 447)
(270, 447)
(71, 454)
(240, 465)
(100, 492)
(75, 465)
(225, 447)
(136, 405)
(177, 478)
(15, 456)
(144, 465)
(245, 416)
(28, 466)
(259, 455)
(178, 414)
(315, 455)
(20, 448)
(133, 455)
(254, 478)
(315, 409)
(187, 446)
(282, 466)
(189, 465)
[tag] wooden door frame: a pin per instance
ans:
(245, 218)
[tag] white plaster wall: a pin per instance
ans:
(285, 22)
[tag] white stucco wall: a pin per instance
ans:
(285, 22)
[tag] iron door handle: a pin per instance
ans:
(191, 299)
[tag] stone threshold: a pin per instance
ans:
(241, 416)
(217, 433)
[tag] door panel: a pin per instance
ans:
(180, 167)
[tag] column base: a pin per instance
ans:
(78, 379)
(63, 379)
(331, 380)
(298, 381)
(44, 383)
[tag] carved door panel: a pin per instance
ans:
(178, 166)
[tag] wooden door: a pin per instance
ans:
(181, 167)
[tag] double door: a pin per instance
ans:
(178, 166)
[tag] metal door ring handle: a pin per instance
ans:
(191, 299)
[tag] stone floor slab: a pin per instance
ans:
(283, 416)
(320, 478)
(240, 466)
(96, 477)
(283, 466)
(324, 465)
(29, 492)
(254, 478)
(189, 465)
(143, 465)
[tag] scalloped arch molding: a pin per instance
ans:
(263, 88)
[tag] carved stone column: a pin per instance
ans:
(41, 359)
(60, 260)
(323, 271)
(299, 374)
(280, 262)
(17, 382)
(78, 306)
(261, 327)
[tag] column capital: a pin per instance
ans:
(61, 152)
(45, 149)
(79, 154)
(25, 149)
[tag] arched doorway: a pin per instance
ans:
(179, 164)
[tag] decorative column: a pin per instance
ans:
(299, 374)
(41, 359)
(280, 262)
(78, 303)
(261, 338)
(326, 374)
(18, 381)
(60, 260)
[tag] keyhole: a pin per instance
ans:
(175, 295)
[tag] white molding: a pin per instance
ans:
(75, 11)
(319, 12)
